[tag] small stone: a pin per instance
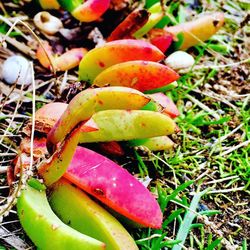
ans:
(179, 60)
(188, 105)
(17, 69)
(207, 86)
(47, 23)
(6, 213)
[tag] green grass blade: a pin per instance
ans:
(214, 244)
(188, 219)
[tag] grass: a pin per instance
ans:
(213, 152)
(203, 185)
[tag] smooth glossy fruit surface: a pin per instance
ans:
(90, 10)
(114, 186)
(77, 210)
(168, 105)
(49, 4)
(161, 39)
(98, 59)
(122, 125)
(140, 75)
(90, 101)
(154, 144)
(109, 125)
(45, 229)
(198, 30)
(156, 15)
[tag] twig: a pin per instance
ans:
(221, 139)
(218, 98)
(6, 20)
(64, 82)
(24, 93)
(245, 143)
(3, 116)
(225, 190)
(12, 239)
(33, 117)
(7, 154)
(13, 117)
(221, 180)
(20, 46)
(199, 67)
(36, 37)
(203, 106)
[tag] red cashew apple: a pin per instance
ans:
(134, 21)
(87, 11)
(161, 39)
(107, 125)
(90, 10)
(198, 30)
(98, 59)
(140, 75)
(68, 60)
(114, 186)
(168, 105)
(79, 211)
(89, 101)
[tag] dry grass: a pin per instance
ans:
(212, 148)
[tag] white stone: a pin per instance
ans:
(17, 69)
(47, 23)
(179, 60)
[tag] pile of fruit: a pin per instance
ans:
(125, 103)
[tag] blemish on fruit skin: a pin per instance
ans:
(147, 50)
(100, 102)
(98, 191)
(134, 81)
(101, 64)
(54, 226)
(216, 22)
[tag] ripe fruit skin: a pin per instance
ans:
(77, 210)
(154, 144)
(198, 30)
(140, 75)
(114, 186)
(129, 25)
(110, 125)
(68, 60)
(49, 4)
(45, 229)
(90, 10)
(98, 59)
(123, 125)
(161, 39)
(89, 101)
(156, 15)
(168, 105)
